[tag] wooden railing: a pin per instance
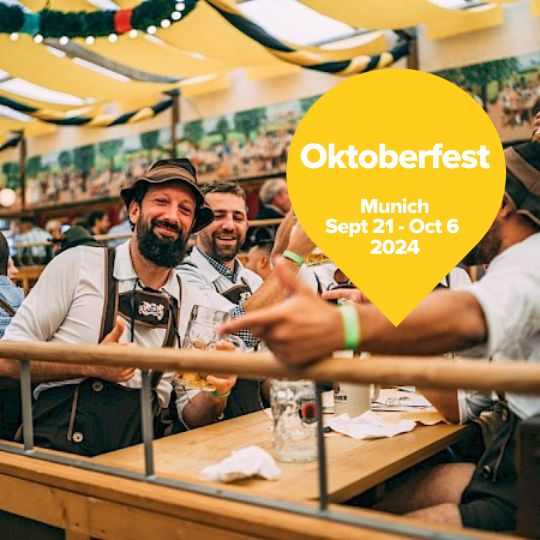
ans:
(431, 372)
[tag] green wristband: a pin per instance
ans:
(351, 326)
(220, 395)
(294, 257)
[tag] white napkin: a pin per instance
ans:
(243, 463)
(368, 426)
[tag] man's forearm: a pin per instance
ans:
(43, 371)
(445, 401)
(203, 409)
(270, 292)
(445, 321)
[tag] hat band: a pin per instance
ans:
(166, 176)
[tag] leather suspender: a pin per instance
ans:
(111, 298)
(7, 308)
(110, 308)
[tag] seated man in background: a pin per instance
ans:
(124, 227)
(30, 233)
(260, 258)
(276, 204)
(275, 199)
(499, 316)
(98, 222)
(11, 298)
(214, 269)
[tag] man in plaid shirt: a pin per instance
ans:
(213, 268)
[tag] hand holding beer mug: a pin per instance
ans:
(202, 335)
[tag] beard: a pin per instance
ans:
(165, 252)
(223, 253)
(486, 250)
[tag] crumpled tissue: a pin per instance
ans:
(243, 463)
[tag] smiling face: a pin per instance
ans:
(223, 238)
(163, 221)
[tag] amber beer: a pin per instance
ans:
(202, 335)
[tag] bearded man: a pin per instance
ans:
(87, 409)
(497, 317)
(214, 269)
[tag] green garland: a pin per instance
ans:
(57, 24)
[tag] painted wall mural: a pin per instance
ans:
(250, 143)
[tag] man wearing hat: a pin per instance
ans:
(130, 294)
(499, 316)
(76, 236)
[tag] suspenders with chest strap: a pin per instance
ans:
(96, 415)
(112, 305)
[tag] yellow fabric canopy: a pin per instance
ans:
(33, 128)
(204, 49)
(381, 14)
(25, 59)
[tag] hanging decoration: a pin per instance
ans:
(47, 23)
(11, 143)
(101, 120)
(315, 58)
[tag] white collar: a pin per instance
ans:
(124, 271)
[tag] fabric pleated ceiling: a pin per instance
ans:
(200, 52)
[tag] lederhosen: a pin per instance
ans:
(10, 396)
(97, 416)
(489, 501)
(246, 396)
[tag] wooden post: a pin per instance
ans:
(413, 57)
(410, 36)
(22, 168)
(175, 119)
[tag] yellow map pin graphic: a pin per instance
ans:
(396, 175)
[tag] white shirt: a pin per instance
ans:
(66, 306)
(321, 275)
(509, 295)
(198, 272)
(458, 277)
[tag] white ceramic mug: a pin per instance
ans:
(352, 399)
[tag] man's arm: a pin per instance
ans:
(305, 327)
(40, 316)
(444, 321)
(445, 401)
(203, 408)
(272, 290)
(54, 371)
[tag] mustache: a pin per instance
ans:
(235, 234)
(166, 225)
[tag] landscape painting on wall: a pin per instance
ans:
(251, 143)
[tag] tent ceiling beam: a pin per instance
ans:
(73, 50)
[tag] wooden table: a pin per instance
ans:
(353, 466)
